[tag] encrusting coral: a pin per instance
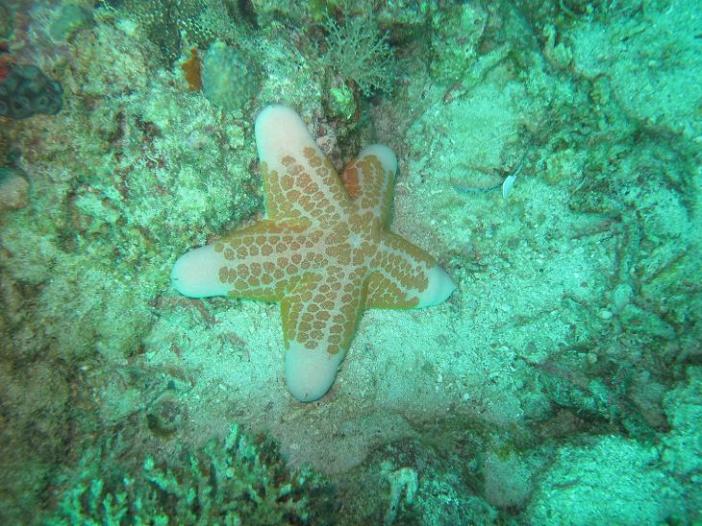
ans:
(325, 251)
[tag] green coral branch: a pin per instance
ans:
(229, 483)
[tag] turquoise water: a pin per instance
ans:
(548, 161)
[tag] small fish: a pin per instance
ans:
(507, 185)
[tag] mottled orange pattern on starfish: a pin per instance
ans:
(324, 251)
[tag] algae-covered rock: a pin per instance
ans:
(653, 62)
(6, 21)
(229, 80)
(456, 33)
(14, 189)
(69, 19)
(612, 481)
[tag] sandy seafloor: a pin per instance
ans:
(560, 384)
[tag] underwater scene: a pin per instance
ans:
(335, 262)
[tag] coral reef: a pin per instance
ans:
(357, 51)
(234, 482)
(26, 91)
(560, 381)
(229, 81)
(175, 27)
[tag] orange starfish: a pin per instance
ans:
(324, 251)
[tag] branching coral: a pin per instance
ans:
(357, 51)
(236, 482)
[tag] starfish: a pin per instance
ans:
(324, 251)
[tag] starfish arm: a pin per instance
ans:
(260, 262)
(300, 183)
(369, 181)
(404, 276)
(319, 318)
